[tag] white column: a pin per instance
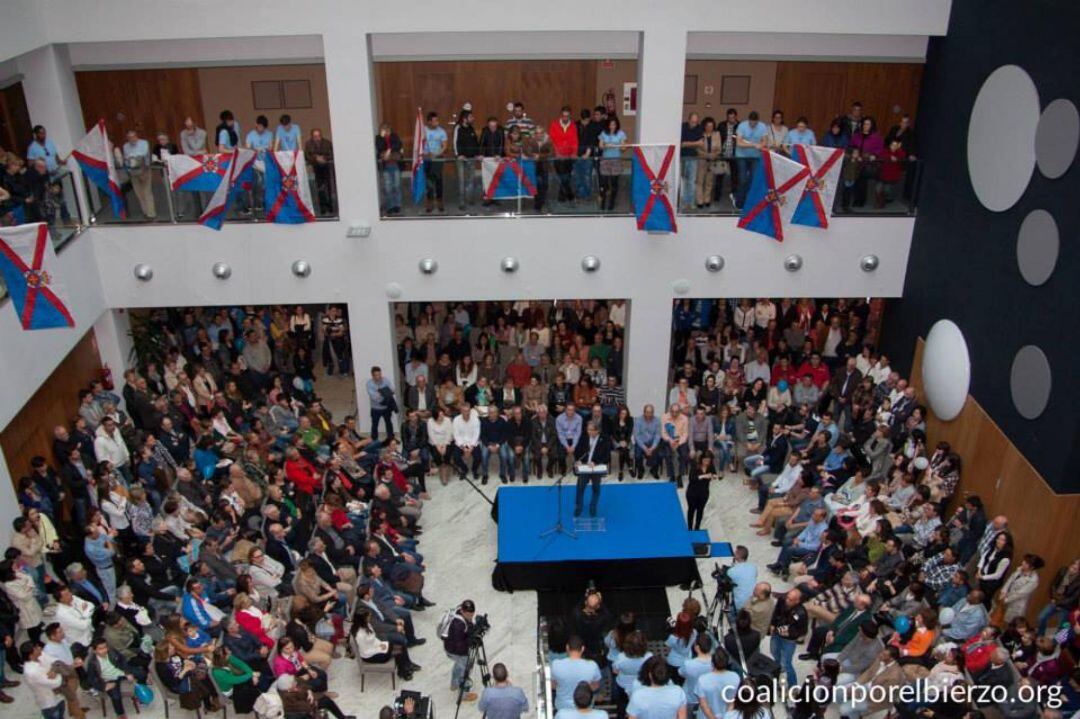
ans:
(52, 99)
(372, 339)
(348, 82)
(9, 505)
(111, 332)
(648, 346)
(661, 68)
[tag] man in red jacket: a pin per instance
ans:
(564, 140)
(301, 472)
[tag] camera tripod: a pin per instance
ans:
(477, 656)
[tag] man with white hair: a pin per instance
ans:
(75, 615)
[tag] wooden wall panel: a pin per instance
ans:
(55, 402)
(544, 87)
(146, 100)
(15, 123)
(823, 90)
(1042, 521)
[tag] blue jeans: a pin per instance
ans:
(1048, 613)
(583, 169)
(789, 553)
(457, 672)
(391, 186)
(505, 460)
(747, 166)
(688, 183)
(385, 415)
(783, 651)
(683, 452)
(724, 451)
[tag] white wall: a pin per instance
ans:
(807, 46)
(205, 52)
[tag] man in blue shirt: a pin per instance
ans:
(381, 394)
(568, 429)
(287, 135)
(502, 700)
(647, 443)
(583, 708)
(572, 670)
(801, 134)
(260, 140)
(43, 148)
(744, 575)
(100, 550)
(228, 132)
(806, 543)
(692, 139)
(435, 140)
(749, 141)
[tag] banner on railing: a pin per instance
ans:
(27, 263)
(774, 194)
(650, 189)
(418, 179)
(236, 180)
(819, 191)
(287, 195)
(508, 179)
(94, 153)
(198, 173)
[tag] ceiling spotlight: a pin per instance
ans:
(869, 263)
(301, 268)
(428, 266)
(144, 272)
(509, 264)
(221, 270)
(714, 263)
(793, 263)
(590, 263)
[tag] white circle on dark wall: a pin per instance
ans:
(1030, 381)
(1057, 137)
(1001, 137)
(946, 369)
(1037, 245)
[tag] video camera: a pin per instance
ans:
(724, 584)
(413, 705)
(480, 627)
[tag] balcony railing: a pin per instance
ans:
(864, 188)
(163, 205)
(573, 187)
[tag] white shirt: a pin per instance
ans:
(617, 315)
(763, 312)
(111, 448)
(786, 479)
(59, 652)
(440, 433)
(77, 619)
(467, 433)
(36, 675)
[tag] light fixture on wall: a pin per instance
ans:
(221, 270)
(714, 263)
(590, 263)
(869, 263)
(509, 265)
(359, 228)
(793, 263)
(301, 268)
(428, 266)
(681, 287)
(394, 290)
(144, 272)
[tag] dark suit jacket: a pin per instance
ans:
(836, 384)
(326, 571)
(412, 397)
(602, 453)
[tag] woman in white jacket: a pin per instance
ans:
(372, 650)
(440, 432)
(1020, 585)
(20, 589)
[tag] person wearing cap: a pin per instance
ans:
(456, 646)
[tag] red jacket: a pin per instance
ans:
(303, 474)
(819, 375)
(565, 141)
(253, 626)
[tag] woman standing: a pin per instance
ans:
(697, 490)
(22, 592)
(680, 645)
(612, 140)
(993, 564)
(1020, 586)
(622, 434)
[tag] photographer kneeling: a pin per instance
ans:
(456, 637)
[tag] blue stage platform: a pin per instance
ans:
(644, 542)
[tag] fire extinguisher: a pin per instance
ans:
(106, 377)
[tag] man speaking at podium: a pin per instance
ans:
(591, 461)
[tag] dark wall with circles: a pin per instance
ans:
(998, 228)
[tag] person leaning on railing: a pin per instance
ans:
(612, 140)
(320, 154)
(466, 147)
(388, 158)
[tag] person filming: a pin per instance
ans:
(456, 645)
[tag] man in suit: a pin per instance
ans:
(832, 638)
(842, 385)
(593, 450)
(420, 398)
(389, 625)
(278, 548)
(885, 672)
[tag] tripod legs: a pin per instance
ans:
(478, 657)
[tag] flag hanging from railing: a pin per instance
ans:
(287, 197)
(198, 173)
(650, 189)
(774, 193)
(27, 264)
(819, 191)
(508, 179)
(418, 180)
(94, 153)
(236, 180)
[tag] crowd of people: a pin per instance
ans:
(212, 530)
(512, 383)
(30, 189)
(875, 168)
(586, 154)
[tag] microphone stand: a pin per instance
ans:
(559, 527)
